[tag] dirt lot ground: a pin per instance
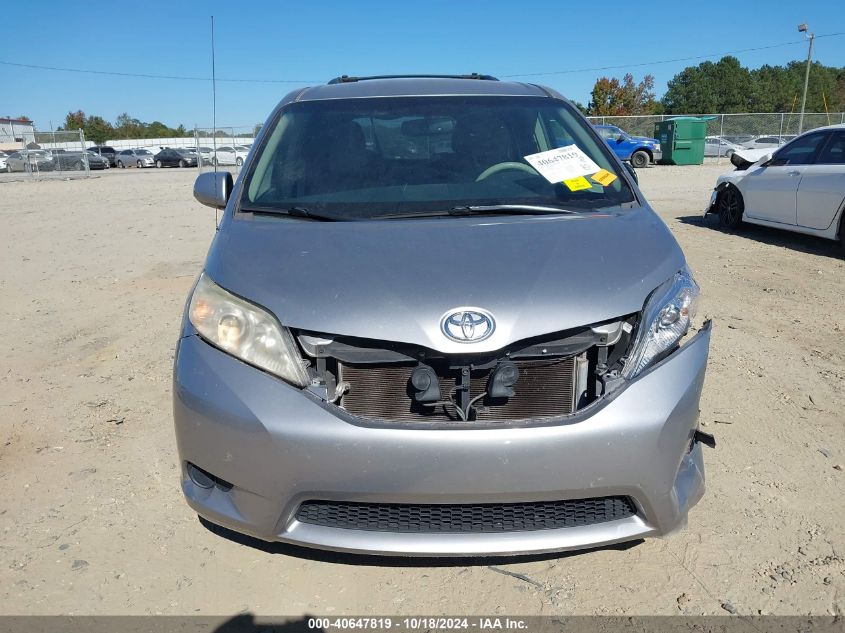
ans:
(93, 275)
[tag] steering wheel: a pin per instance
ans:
(499, 167)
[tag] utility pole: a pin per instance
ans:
(802, 28)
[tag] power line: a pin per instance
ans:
(665, 61)
(149, 76)
(313, 81)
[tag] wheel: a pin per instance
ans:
(214, 161)
(139, 165)
(239, 161)
(181, 163)
(78, 166)
(8, 169)
(639, 159)
(730, 206)
(729, 153)
(121, 165)
(158, 164)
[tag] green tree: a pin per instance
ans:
(707, 88)
(98, 130)
(75, 121)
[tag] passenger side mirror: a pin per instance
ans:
(213, 188)
(632, 171)
(620, 139)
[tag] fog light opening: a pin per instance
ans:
(205, 479)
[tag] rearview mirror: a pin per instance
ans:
(213, 188)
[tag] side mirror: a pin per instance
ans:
(632, 171)
(620, 139)
(213, 188)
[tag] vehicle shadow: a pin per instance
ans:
(343, 558)
(809, 244)
(246, 623)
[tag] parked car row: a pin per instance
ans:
(29, 160)
(174, 156)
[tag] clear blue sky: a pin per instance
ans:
(314, 41)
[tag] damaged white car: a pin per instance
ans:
(798, 187)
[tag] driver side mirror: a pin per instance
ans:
(632, 172)
(620, 139)
(213, 189)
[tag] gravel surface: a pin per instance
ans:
(93, 275)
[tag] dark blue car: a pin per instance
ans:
(640, 150)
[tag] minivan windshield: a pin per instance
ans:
(369, 158)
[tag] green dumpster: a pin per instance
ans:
(682, 139)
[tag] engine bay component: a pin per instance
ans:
(425, 384)
(502, 380)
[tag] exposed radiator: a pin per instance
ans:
(545, 389)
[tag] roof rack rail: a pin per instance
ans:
(345, 79)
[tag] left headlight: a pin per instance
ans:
(666, 318)
(245, 331)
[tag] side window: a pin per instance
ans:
(834, 151)
(801, 151)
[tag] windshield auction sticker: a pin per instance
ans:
(604, 178)
(563, 163)
(578, 183)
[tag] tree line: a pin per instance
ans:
(723, 87)
(718, 87)
(99, 130)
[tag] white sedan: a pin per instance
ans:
(798, 187)
(229, 155)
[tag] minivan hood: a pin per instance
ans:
(395, 280)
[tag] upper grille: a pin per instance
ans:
(546, 388)
(488, 517)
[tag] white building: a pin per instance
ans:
(15, 132)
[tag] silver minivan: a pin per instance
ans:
(438, 318)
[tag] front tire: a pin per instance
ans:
(730, 206)
(639, 159)
(158, 164)
(121, 165)
(181, 163)
(139, 165)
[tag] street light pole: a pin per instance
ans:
(802, 28)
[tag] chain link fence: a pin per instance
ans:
(732, 127)
(224, 147)
(49, 155)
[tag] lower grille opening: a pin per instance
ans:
(487, 517)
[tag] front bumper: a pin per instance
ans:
(656, 155)
(279, 447)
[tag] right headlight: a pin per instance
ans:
(666, 318)
(245, 331)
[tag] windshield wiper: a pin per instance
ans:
(505, 209)
(514, 209)
(294, 211)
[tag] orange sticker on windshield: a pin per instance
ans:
(576, 184)
(603, 177)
